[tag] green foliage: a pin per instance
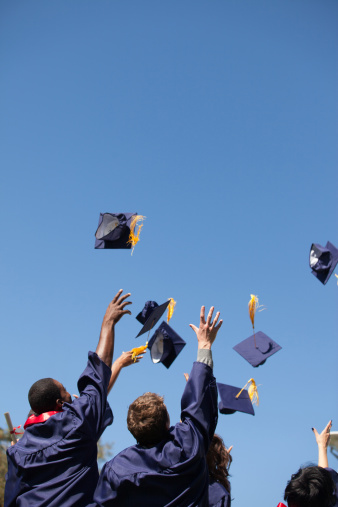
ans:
(104, 452)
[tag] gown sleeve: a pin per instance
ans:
(92, 407)
(199, 401)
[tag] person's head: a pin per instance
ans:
(218, 461)
(46, 395)
(148, 419)
(310, 487)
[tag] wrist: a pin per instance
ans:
(204, 345)
(118, 363)
(110, 322)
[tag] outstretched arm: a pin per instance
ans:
(322, 440)
(125, 359)
(199, 400)
(115, 311)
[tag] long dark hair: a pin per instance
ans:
(218, 461)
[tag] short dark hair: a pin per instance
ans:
(43, 394)
(311, 487)
(147, 419)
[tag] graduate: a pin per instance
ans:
(219, 461)
(314, 486)
(168, 465)
(55, 461)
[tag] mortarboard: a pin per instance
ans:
(150, 315)
(323, 261)
(143, 316)
(229, 404)
(116, 230)
(165, 345)
(113, 230)
(257, 348)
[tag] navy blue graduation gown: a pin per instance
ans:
(218, 495)
(174, 472)
(334, 476)
(55, 463)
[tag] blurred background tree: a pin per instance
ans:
(104, 452)
(5, 441)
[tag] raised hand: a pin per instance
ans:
(127, 359)
(208, 329)
(322, 440)
(116, 309)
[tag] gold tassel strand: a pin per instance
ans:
(171, 308)
(253, 305)
(252, 391)
(137, 351)
(134, 238)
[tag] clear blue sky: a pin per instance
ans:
(216, 120)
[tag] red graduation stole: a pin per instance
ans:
(35, 419)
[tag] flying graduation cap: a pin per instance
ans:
(117, 230)
(233, 399)
(323, 261)
(258, 347)
(165, 345)
(150, 315)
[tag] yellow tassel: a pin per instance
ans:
(134, 238)
(137, 351)
(337, 278)
(253, 307)
(252, 392)
(171, 308)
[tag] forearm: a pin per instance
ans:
(105, 347)
(115, 372)
(322, 456)
(114, 312)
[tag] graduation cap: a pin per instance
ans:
(323, 261)
(144, 314)
(165, 345)
(230, 402)
(116, 230)
(257, 348)
(150, 315)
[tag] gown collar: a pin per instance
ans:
(35, 419)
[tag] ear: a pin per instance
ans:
(58, 404)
